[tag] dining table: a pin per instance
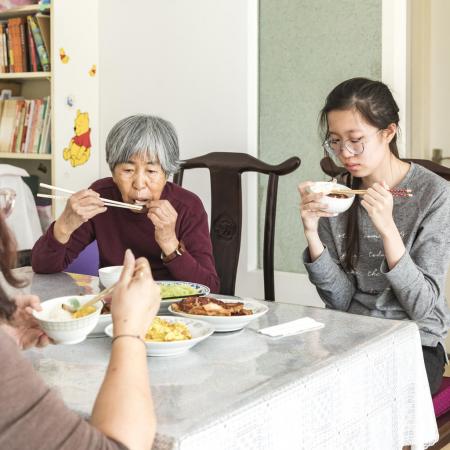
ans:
(357, 383)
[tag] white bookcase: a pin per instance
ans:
(72, 84)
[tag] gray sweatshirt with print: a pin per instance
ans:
(415, 288)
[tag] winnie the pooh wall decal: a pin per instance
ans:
(79, 149)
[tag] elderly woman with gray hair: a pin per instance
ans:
(142, 151)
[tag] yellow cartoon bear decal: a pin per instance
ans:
(79, 149)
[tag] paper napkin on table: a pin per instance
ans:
(294, 327)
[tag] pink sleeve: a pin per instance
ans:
(32, 413)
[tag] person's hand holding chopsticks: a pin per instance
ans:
(80, 207)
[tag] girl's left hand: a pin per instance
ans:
(23, 327)
(378, 203)
(164, 217)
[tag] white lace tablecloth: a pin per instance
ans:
(357, 383)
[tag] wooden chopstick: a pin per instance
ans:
(92, 301)
(394, 192)
(183, 296)
(107, 201)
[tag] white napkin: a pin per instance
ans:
(294, 327)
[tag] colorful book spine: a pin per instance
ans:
(29, 123)
(23, 44)
(5, 47)
(39, 43)
(32, 56)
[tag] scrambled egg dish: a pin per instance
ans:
(163, 331)
(83, 311)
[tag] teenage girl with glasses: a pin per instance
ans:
(384, 257)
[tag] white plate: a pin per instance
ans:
(201, 290)
(199, 331)
(230, 323)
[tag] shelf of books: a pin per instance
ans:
(25, 87)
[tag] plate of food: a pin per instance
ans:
(174, 291)
(171, 336)
(222, 314)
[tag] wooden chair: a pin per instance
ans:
(330, 168)
(441, 400)
(226, 210)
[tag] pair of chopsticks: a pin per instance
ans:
(183, 296)
(394, 192)
(106, 201)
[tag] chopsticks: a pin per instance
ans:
(182, 296)
(394, 192)
(92, 301)
(106, 201)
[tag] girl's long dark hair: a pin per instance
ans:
(7, 263)
(374, 102)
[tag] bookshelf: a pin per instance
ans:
(32, 86)
(65, 80)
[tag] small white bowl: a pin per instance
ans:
(71, 331)
(109, 275)
(334, 205)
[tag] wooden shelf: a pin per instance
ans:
(23, 11)
(26, 76)
(11, 155)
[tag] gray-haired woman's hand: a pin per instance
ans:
(164, 217)
(80, 207)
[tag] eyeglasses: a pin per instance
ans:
(333, 146)
(7, 200)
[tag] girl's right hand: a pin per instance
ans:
(311, 208)
(136, 298)
(80, 207)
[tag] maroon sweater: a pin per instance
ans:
(118, 229)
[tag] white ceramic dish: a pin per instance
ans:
(109, 275)
(201, 291)
(67, 331)
(230, 323)
(199, 330)
(103, 321)
(334, 205)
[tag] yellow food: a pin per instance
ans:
(83, 311)
(163, 331)
(176, 290)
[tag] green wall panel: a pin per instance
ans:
(306, 48)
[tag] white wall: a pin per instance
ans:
(195, 64)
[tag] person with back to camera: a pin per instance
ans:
(141, 151)
(32, 415)
(384, 257)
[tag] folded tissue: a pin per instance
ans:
(294, 327)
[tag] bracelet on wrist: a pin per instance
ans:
(127, 335)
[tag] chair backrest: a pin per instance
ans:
(87, 262)
(330, 168)
(226, 210)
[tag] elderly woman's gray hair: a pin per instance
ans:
(141, 135)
